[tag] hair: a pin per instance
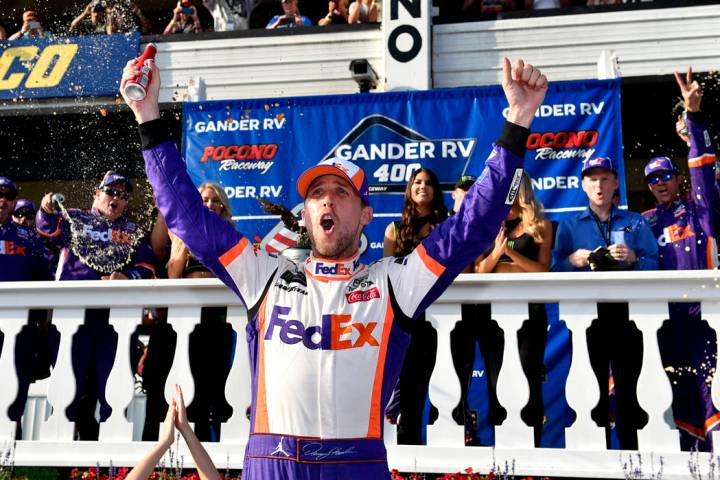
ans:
(217, 188)
(220, 192)
(531, 209)
(406, 238)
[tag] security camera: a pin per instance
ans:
(364, 75)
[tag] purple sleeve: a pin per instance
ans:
(206, 234)
(48, 225)
(460, 239)
(701, 164)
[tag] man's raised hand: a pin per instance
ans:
(690, 90)
(146, 109)
(525, 87)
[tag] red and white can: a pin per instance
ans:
(136, 88)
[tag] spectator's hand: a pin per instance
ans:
(146, 109)
(579, 258)
(88, 9)
(622, 253)
(525, 87)
(167, 430)
(177, 11)
(690, 90)
(114, 276)
(46, 203)
(500, 242)
(681, 130)
(181, 421)
(194, 15)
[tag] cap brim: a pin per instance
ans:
(309, 175)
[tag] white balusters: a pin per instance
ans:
(119, 388)
(581, 389)
(183, 321)
(11, 322)
(237, 389)
(653, 389)
(512, 387)
(444, 384)
(61, 389)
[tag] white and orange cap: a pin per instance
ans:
(341, 168)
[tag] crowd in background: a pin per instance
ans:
(195, 16)
(187, 16)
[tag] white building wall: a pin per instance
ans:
(268, 66)
(567, 47)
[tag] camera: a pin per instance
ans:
(364, 75)
(99, 6)
(33, 24)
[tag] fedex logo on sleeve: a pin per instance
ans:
(336, 332)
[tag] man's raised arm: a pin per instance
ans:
(211, 239)
(460, 239)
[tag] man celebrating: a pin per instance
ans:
(97, 244)
(327, 337)
(685, 230)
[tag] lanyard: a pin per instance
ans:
(604, 233)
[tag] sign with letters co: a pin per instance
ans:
(65, 67)
(258, 148)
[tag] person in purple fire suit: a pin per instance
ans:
(327, 337)
(685, 226)
(22, 258)
(96, 244)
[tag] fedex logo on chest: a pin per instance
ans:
(336, 331)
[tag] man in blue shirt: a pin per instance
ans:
(603, 237)
(290, 19)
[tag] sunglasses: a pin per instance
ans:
(24, 214)
(665, 177)
(121, 194)
(8, 195)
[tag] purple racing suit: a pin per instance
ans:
(119, 242)
(22, 254)
(327, 338)
(92, 246)
(685, 232)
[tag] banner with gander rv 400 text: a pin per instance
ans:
(258, 148)
(51, 67)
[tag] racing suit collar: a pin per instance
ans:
(324, 269)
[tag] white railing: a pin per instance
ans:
(585, 454)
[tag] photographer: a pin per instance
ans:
(185, 19)
(603, 237)
(291, 19)
(31, 27)
(92, 21)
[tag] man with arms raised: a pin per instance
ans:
(327, 337)
(684, 226)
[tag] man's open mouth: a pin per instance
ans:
(327, 223)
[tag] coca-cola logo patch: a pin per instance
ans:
(362, 295)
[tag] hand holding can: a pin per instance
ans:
(136, 88)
